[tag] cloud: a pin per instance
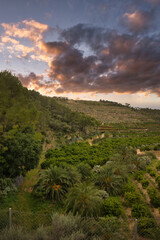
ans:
(153, 2)
(31, 78)
(122, 63)
(26, 29)
(115, 62)
(137, 21)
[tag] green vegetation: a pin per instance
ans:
(89, 176)
(20, 144)
(112, 207)
(154, 197)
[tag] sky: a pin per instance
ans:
(84, 49)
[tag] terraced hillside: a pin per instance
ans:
(112, 112)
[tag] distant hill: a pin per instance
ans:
(112, 112)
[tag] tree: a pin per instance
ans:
(22, 153)
(85, 170)
(54, 183)
(84, 199)
(108, 180)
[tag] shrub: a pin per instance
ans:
(63, 225)
(14, 234)
(143, 161)
(139, 210)
(145, 183)
(149, 169)
(128, 187)
(157, 147)
(139, 175)
(158, 166)
(154, 197)
(112, 207)
(112, 229)
(41, 234)
(151, 155)
(6, 186)
(147, 228)
(3, 219)
(152, 173)
(131, 198)
(158, 181)
(85, 170)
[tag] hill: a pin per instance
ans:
(27, 120)
(112, 112)
(94, 163)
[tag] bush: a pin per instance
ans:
(154, 197)
(139, 175)
(128, 187)
(41, 234)
(14, 234)
(152, 173)
(3, 219)
(143, 161)
(139, 210)
(131, 198)
(157, 147)
(6, 186)
(63, 225)
(158, 166)
(149, 169)
(151, 155)
(147, 228)
(145, 183)
(145, 148)
(112, 207)
(85, 170)
(158, 181)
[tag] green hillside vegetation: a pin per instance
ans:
(83, 178)
(25, 119)
(112, 112)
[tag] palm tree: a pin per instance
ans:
(84, 199)
(85, 171)
(54, 182)
(118, 167)
(108, 180)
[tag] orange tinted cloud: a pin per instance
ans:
(6, 39)
(31, 30)
(26, 29)
(137, 21)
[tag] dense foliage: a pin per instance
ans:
(20, 144)
(59, 118)
(24, 115)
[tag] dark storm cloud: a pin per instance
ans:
(123, 63)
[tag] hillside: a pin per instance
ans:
(28, 121)
(112, 112)
(67, 166)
